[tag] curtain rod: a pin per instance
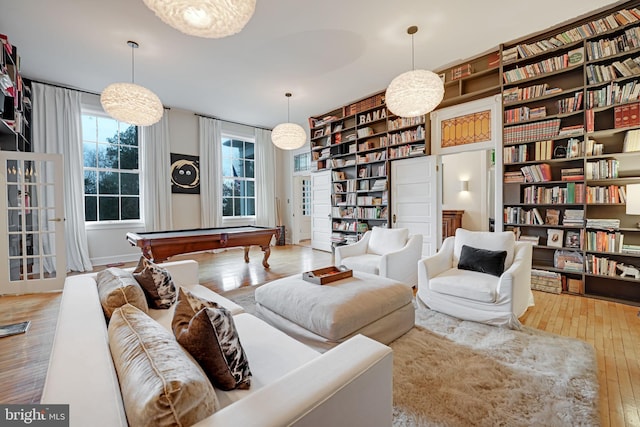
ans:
(231, 121)
(61, 86)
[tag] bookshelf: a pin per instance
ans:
(357, 142)
(571, 145)
(15, 101)
(475, 78)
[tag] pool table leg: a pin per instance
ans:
(267, 252)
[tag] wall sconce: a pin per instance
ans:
(464, 185)
(633, 200)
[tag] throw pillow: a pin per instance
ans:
(156, 283)
(160, 383)
(116, 288)
(482, 260)
(207, 331)
(385, 240)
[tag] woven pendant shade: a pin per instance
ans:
(204, 18)
(288, 136)
(131, 103)
(414, 93)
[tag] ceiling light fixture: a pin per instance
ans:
(416, 92)
(131, 103)
(288, 136)
(204, 18)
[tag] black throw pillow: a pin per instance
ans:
(482, 260)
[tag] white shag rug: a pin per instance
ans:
(448, 372)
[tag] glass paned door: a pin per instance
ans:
(32, 251)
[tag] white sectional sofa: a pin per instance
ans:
(292, 384)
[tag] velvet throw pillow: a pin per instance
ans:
(160, 383)
(482, 260)
(156, 283)
(207, 331)
(117, 287)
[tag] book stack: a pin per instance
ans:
(534, 240)
(379, 185)
(612, 46)
(546, 281)
(593, 148)
(626, 115)
(546, 129)
(631, 249)
(602, 169)
(601, 266)
(571, 130)
(631, 141)
(572, 174)
(569, 105)
(612, 224)
(611, 194)
(573, 217)
(572, 58)
(537, 173)
(364, 132)
(575, 148)
(605, 241)
(511, 177)
(515, 154)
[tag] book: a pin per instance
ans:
(555, 237)
(14, 328)
(576, 56)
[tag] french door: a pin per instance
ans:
(32, 247)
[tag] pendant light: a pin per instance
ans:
(288, 136)
(131, 103)
(204, 18)
(416, 92)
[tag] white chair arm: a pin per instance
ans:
(431, 266)
(358, 248)
(516, 287)
(401, 265)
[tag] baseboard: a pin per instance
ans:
(115, 259)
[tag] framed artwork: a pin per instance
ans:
(185, 174)
(555, 238)
(318, 133)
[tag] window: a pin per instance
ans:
(306, 197)
(238, 177)
(111, 169)
(301, 162)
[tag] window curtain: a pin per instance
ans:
(57, 129)
(265, 179)
(210, 141)
(156, 164)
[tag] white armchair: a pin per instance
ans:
(387, 252)
(473, 295)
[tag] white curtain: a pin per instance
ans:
(156, 164)
(265, 179)
(210, 140)
(57, 128)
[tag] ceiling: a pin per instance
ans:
(327, 53)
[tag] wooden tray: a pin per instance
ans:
(326, 275)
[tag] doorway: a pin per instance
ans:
(32, 250)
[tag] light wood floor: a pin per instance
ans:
(613, 329)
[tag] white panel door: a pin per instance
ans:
(321, 211)
(414, 199)
(32, 246)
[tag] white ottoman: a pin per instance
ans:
(322, 316)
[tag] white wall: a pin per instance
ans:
(183, 132)
(470, 166)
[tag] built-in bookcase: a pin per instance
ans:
(570, 132)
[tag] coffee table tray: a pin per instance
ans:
(326, 275)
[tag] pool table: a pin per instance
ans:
(160, 245)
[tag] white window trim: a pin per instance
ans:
(89, 109)
(230, 221)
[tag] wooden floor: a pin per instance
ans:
(613, 329)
